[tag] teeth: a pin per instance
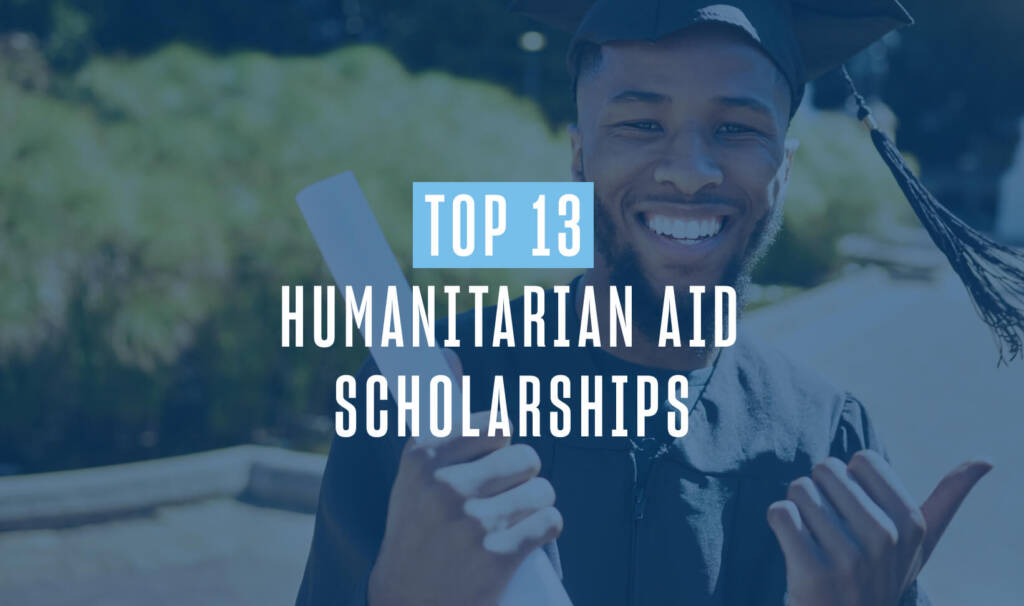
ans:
(684, 229)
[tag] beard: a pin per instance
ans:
(625, 269)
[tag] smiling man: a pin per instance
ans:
(685, 140)
(780, 492)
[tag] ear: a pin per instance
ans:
(782, 177)
(789, 149)
(577, 153)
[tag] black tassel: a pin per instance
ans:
(992, 272)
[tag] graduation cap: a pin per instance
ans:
(806, 39)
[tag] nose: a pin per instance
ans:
(688, 165)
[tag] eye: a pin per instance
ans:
(734, 128)
(645, 126)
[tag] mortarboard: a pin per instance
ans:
(806, 39)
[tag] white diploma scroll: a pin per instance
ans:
(357, 254)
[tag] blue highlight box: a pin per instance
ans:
(503, 234)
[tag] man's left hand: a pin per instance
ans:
(851, 535)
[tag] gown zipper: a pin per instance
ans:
(641, 473)
(639, 502)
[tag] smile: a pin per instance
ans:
(683, 230)
(684, 233)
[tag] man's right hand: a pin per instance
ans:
(464, 513)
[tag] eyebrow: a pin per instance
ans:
(741, 102)
(639, 96)
(750, 103)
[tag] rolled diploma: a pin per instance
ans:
(357, 254)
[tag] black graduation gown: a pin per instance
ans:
(690, 528)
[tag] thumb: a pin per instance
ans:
(941, 505)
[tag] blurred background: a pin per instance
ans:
(151, 152)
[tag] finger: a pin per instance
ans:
(535, 530)
(942, 504)
(822, 520)
(457, 448)
(869, 525)
(492, 474)
(880, 482)
(794, 537)
(506, 509)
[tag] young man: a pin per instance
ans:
(779, 493)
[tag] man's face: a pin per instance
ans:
(684, 140)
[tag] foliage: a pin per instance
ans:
(962, 57)
(148, 223)
(964, 62)
(838, 185)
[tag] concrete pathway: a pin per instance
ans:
(220, 552)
